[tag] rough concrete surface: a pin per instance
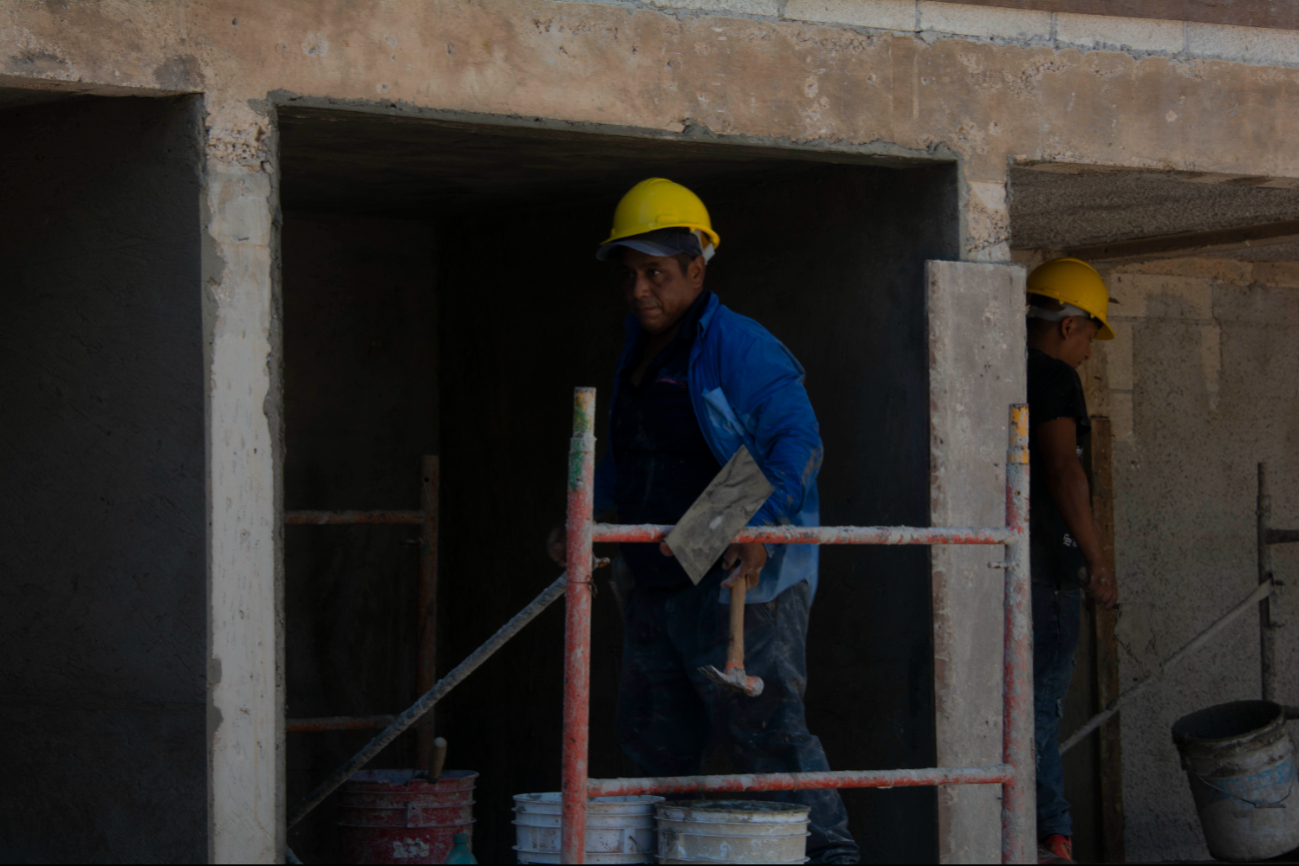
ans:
(1206, 370)
(245, 532)
(102, 529)
(976, 351)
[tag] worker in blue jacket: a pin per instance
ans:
(695, 382)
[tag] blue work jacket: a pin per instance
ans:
(747, 388)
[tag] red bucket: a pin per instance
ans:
(396, 816)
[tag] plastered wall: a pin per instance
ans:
(1203, 384)
(102, 522)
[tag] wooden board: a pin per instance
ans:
(1110, 788)
(1273, 14)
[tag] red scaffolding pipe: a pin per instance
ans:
(1016, 772)
(996, 775)
(645, 532)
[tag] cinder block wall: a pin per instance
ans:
(1201, 384)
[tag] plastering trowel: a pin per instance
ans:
(702, 535)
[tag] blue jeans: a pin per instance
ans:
(669, 714)
(1056, 623)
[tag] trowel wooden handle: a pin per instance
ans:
(437, 760)
(735, 649)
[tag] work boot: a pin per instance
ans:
(1055, 849)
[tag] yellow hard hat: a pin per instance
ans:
(658, 203)
(1074, 282)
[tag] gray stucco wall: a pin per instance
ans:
(1203, 383)
(102, 521)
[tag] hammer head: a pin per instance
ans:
(734, 678)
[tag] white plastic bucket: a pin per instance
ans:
(731, 831)
(618, 829)
(1241, 766)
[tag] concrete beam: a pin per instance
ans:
(1244, 13)
(1191, 243)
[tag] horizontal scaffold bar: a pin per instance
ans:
(995, 775)
(820, 534)
(328, 518)
(337, 723)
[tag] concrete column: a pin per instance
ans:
(245, 619)
(976, 370)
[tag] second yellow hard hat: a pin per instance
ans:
(1073, 281)
(658, 203)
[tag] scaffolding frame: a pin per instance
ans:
(1015, 773)
(426, 518)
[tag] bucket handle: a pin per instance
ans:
(1279, 804)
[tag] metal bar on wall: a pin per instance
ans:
(1269, 609)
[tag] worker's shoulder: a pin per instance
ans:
(1047, 372)
(738, 330)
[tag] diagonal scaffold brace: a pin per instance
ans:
(430, 698)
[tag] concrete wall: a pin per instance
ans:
(1203, 383)
(102, 545)
(839, 278)
(360, 409)
(976, 371)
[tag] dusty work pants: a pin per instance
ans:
(669, 714)
(1056, 624)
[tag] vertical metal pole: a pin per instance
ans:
(427, 604)
(577, 628)
(1019, 798)
(1269, 609)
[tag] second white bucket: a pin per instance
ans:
(618, 829)
(731, 831)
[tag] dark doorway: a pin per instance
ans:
(477, 241)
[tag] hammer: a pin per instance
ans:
(734, 676)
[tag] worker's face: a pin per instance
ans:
(658, 292)
(1076, 335)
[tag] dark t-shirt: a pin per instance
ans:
(1054, 391)
(663, 460)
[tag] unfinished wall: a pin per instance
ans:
(360, 384)
(102, 606)
(976, 340)
(525, 317)
(1203, 383)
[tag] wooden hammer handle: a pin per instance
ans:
(735, 649)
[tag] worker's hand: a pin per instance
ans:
(750, 558)
(1102, 586)
(745, 562)
(557, 544)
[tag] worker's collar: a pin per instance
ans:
(690, 321)
(694, 323)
